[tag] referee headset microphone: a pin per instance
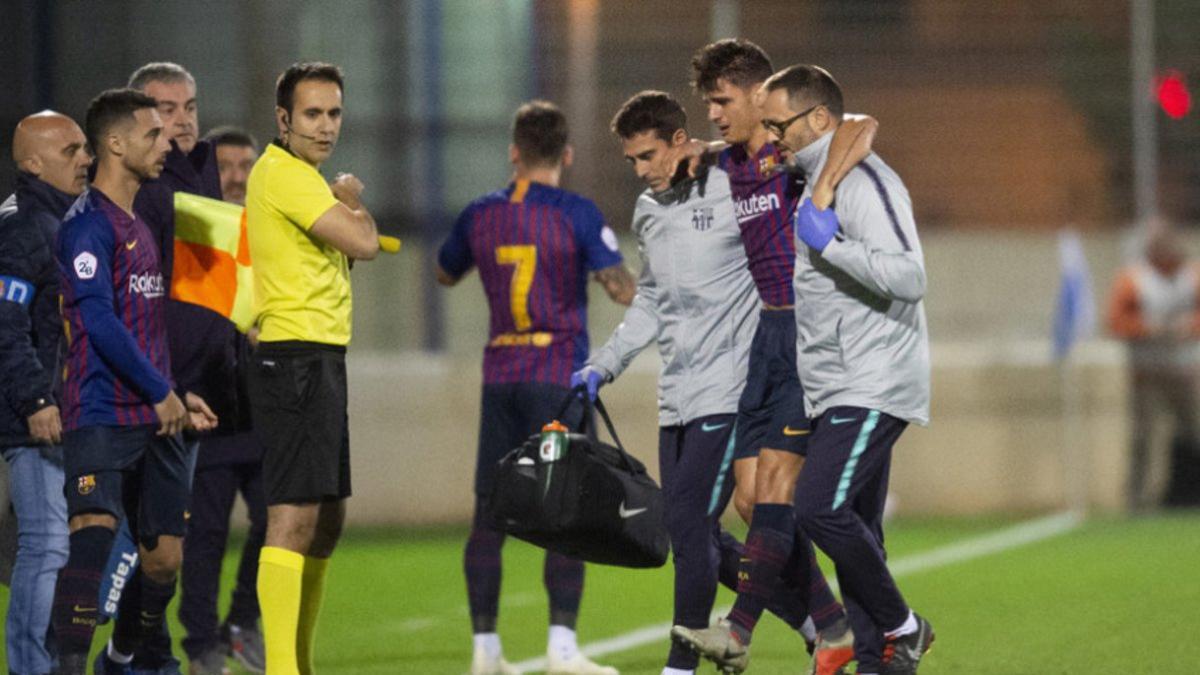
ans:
(287, 122)
(387, 244)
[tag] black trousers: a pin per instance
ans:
(213, 492)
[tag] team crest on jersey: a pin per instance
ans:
(702, 218)
(766, 164)
(86, 484)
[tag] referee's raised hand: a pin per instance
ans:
(172, 416)
(347, 188)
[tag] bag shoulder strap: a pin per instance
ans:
(588, 428)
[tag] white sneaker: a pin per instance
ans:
(482, 664)
(576, 665)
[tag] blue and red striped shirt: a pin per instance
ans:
(764, 201)
(113, 298)
(534, 245)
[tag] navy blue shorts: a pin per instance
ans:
(771, 410)
(128, 472)
(509, 415)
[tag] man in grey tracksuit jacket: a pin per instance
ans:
(697, 301)
(695, 298)
(863, 357)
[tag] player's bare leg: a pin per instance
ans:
(745, 473)
(775, 479)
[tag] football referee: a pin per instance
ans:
(303, 232)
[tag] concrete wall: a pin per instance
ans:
(1001, 439)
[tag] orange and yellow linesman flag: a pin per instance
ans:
(212, 258)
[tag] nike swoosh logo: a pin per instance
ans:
(629, 513)
(82, 610)
(841, 420)
(712, 427)
(788, 431)
(130, 244)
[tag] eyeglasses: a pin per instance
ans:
(780, 128)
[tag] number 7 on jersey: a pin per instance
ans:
(524, 259)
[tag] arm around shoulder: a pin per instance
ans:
(851, 144)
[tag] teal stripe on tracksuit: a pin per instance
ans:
(715, 499)
(860, 445)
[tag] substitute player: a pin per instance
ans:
(302, 233)
(122, 449)
(695, 300)
(863, 350)
(534, 245)
(200, 340)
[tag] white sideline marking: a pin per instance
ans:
(1021, 534)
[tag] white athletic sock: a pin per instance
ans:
(909, 626)
(118, 657)
(677, 671)
(809, 630)
(489, 644)
(562, 642)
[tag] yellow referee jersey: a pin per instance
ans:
(301, 284)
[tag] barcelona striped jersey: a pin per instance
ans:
(534, 246)
(113, 299)
(765, 199)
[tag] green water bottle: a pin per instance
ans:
(553, 445)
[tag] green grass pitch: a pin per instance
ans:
(1113, 596)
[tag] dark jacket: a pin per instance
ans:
(30, 327)
(206, 349)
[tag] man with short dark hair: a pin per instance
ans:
(236, 152)
(695, 300)
(229, 461)
(534, 245)
(303, 232)
(863, 351)
(122, 450)
(50, 152)
(202, 342)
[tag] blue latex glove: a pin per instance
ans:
(814, 226)
(589, 377)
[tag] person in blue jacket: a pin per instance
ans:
(51, 155)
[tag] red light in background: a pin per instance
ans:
(1172, 93)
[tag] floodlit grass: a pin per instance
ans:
(1114, 596)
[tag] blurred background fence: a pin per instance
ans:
(1007, 120)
